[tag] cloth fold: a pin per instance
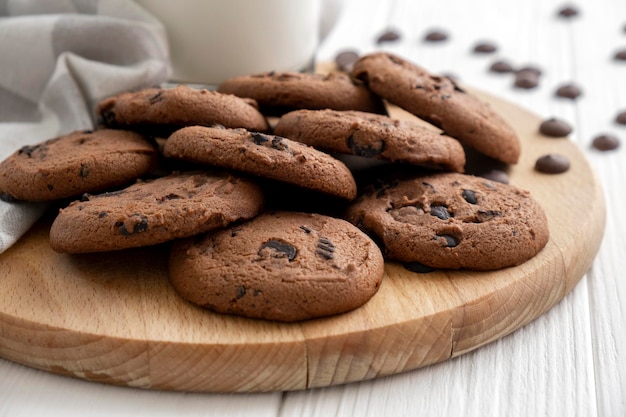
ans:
(59, 59)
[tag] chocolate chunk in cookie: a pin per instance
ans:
(266, 156)
(163, 110)
(373, 136)
(281, 92)
(441, 102)
(76, 163)
(152, 212)
(284, 266)
(452, 221)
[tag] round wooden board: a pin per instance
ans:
(114, 318)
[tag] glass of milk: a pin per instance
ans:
(212, 40)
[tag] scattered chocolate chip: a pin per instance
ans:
(621, 118)
(555, 128)
(571, 91)
(436, 36)
(620, 55)
(552, 164)
(605, 142)
(306, 229)
(470, 196)
(533, 69)
(501, 67)
(568, 11)
(440, 212)
(496, 175)
(50, 187)
(345, 60)
(366, 150)
(418, 267)
(280, 249)
(526, 80)
(389, 35)
(325, 248)
(485, 47)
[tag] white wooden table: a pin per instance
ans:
(568, 362)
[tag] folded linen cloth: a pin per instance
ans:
(58, 59)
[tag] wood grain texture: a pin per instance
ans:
(114, 318)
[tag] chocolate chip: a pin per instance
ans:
(621, 118)
(436, 36)
(28, 150)
(568, 11)
(325, 248)
(496, 175)
(170, 196)
(345, 60)
(102, 214)
(555, 128)
(84, 171)
(389, 35)
(469, 196)
(241, 291)
(107, 117)
(280, 249)
(50, 187)
(306, 229)
(440, 212)
(366, 150)
(552, 164)
(156, 98)
(274, 142)
(485, 48)
(7, 198)
(450, 241)
(532, 69)
(138, 223)
(501, 67)
(526, 80)
(418, 267)
(620, 55)
(571, 91)
(605, 142)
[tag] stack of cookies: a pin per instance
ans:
(283, 194)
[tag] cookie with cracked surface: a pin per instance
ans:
(283, 266)
(151, 212)
(439, 101)
(263, 155)
(79, 162)
(373, 136)
(280, 92)
(163, 110)
(452, 221)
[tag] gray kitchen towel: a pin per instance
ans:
(58, 58)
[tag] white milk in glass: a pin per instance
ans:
(212, 40)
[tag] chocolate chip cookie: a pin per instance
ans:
(373, 136)
(76, 163)
(280, 92)
(452, 221)
(263, 155)
(163, 110)
(156, 211)
(441, 102)
(284, 266)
